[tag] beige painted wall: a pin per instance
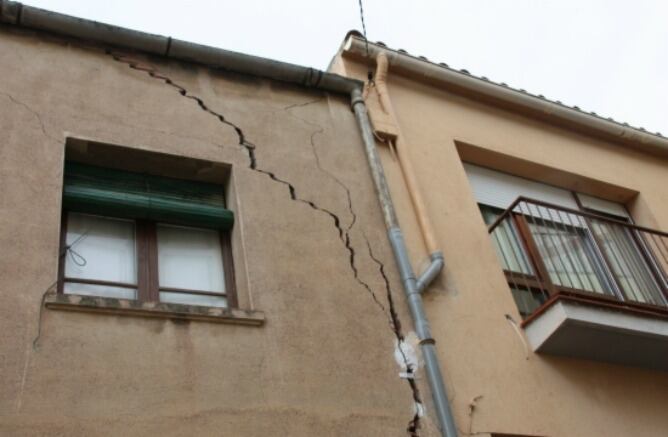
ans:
(323, 363)
(482, 355)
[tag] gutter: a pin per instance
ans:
(482, 89)
(16, 14)
(30, 17)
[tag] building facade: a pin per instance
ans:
(188, 250)
(550, 315)
(194, 244)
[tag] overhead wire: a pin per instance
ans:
(366, 40)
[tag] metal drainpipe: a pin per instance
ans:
(410, 282)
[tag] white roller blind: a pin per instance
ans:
(601, 205)
(498, 189)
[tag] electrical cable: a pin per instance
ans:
(366, 40)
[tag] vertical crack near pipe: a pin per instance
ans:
(414, 422)
(395, 324)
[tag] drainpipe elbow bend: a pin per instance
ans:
(431, 272)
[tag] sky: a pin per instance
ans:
(606, 56)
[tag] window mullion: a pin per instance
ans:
(142, 261)
(147, 261)
(152, 264)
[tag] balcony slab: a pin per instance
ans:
(586, 331)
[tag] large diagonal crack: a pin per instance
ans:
(414, 422)
(243, 142)
(344, 233)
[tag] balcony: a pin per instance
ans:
(587, 285)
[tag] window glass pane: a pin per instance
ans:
(506, 242)
(100, 248)
(627, 264)
(527, 300)
(100, 290)
(193, 299)
(568, 255)
(190, 258)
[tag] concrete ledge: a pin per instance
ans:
(125, 307)
(598, 333)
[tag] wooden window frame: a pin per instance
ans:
(148, 284)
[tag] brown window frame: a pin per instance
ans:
(148, 285)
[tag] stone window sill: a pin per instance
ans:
(125, 307)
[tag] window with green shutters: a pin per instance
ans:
(137, 236)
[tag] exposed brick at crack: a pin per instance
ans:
(414, 423)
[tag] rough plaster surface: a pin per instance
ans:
(323, 362)
(494, 382)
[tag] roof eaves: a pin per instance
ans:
(466, 75)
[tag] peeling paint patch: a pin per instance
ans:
(406, 356)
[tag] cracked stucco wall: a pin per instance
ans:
(315, 259)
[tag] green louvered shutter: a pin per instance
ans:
(97, 190)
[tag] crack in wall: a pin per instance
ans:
(472, 409)
(319, 131)
(344, 233)
(414, 423)
(243, 142)
(33, 112)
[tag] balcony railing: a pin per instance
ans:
(549, 252)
